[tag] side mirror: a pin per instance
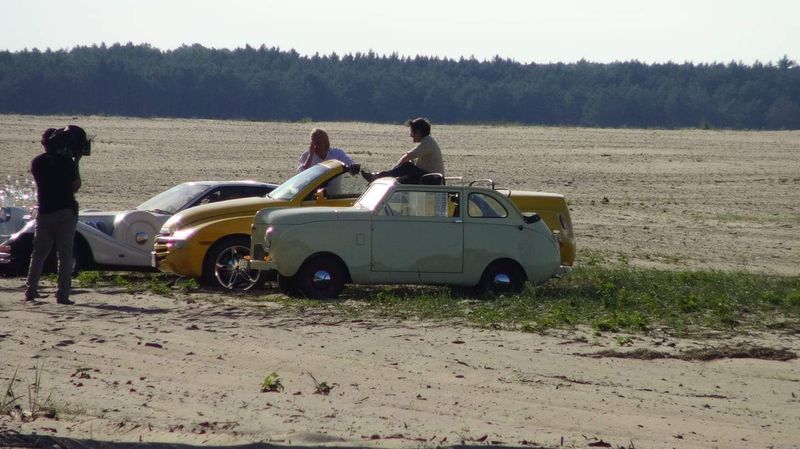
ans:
(321, 194)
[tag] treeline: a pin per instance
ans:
(273, 84)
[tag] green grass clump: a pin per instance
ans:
(135, 282)
(609, 299)
(617, 298)
(272, 384)
(88, 278)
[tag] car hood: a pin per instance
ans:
(91, 215)
(287, 216)
(215, 211)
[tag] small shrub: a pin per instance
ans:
(187, 285)
(321, 387)
(122, 281)
(159, 287)
(272, 384)
(9, 398)
(688, 304)
(793, 299)
(623, 340)
(88, 278)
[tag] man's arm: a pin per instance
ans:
(403, 159)
(305, 160)
(342, 156)
(413, 153)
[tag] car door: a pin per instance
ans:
(418, 231)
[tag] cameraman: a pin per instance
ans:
(57, 179)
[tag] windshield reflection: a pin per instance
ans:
(373, 196)
(172, 200)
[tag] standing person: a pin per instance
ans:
(57, 179)
(319, 149)
(426, 155)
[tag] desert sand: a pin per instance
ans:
(188, 369)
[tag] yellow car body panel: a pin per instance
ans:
(553, 209)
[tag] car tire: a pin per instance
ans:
(502, 277)
(321, 277)
(223, 266)
(288, 286)
(81, 257)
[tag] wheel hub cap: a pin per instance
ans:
(321, 278)
(501, 281)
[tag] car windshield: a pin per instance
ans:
(373, 196)
(172, 200)
(298, 183)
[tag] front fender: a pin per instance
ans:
(187, 258)
(297, 243)
(105, 250)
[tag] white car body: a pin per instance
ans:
(12, 219)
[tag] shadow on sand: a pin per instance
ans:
(12, 439)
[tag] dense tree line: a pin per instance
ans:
(273, 84)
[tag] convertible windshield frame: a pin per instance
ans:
(174, 199)
(298, 183)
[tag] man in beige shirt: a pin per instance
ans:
(427, 157)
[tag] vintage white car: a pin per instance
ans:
(124, 240)
(406, 234)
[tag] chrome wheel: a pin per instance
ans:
(225, 265)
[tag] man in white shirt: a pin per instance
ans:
(427, 157)
(320, 150)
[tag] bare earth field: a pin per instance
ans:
(188, 369)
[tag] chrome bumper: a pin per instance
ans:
(562, 271)
(260, 265)
(5, 252)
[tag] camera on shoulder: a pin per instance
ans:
(70, 141)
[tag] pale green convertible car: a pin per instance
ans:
(406, 234)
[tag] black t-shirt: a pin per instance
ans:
(54, 175)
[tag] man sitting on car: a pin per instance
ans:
(426, 154)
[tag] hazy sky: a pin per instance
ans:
(526, 31)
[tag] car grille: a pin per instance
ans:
(160, 251)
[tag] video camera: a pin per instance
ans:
(70, 141)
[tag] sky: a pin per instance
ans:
(650, 31)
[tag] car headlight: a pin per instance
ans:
(268, 236)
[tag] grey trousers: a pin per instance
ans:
(56, 228)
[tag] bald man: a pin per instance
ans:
(319, 149)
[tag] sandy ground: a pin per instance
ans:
(125, 367)
(154, 369)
